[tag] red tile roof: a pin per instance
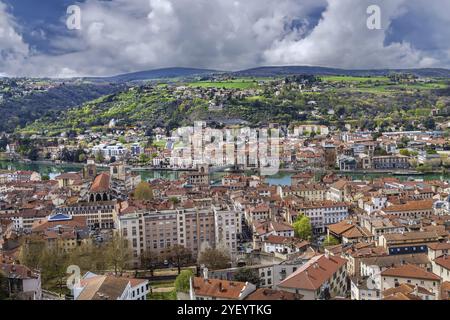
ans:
(101, 183)
(410, 271)
(270, 294)
(314, 273)
(218, 288)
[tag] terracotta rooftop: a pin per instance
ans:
(411, 206)
(287, 241)
(314, 273)
(410, 271)
(218, 288)
(439, 246)
(406, 289)
(443, 261)
(397, 260)
(270, 294)
(445, 290)
(17, 271)
(101, 183)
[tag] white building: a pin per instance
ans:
(227, 225)
(108, 151)
(105, 287)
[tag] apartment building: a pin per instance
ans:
(322, 213)
(441, 267)
(101, 214)
(309, 192)
(411, 209)
(390, 162)
(320, 275)
(227, 226)
(408, 242)
(259, 212)
(158, 230)
(379, 225)
(411, 275)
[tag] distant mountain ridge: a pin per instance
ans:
(292, 70)
(268, 71)
(164, 73)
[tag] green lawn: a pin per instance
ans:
(162, 296)
(162, 284)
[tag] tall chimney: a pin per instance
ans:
(205, 273)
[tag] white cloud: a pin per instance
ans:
(122, 36)
(342, 39)
(12, 46)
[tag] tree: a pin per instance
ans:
(31, 252)
(33, 154)
(143, 191)
(82, 157)
(405, 152)
(4, 286)
(303, 228)
(99, 158)
(330, 241)
(214, 259)
(247, 275)
(143, 158)
(182, 282)
(149, 259)
(379, 152)
(429, 123)
(117, 253)
(54, 263)
(3, 143)
(179, 255)
(174, 200)
(88, 257)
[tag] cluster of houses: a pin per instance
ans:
(390, 236)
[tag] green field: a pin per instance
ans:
(395, 88)
(232, 84)
(348, 79)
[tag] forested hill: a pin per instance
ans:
(20, 111)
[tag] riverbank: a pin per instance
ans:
(281, 170)
(283, 177)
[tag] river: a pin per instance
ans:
(282, 178)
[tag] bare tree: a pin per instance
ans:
(214, 259)
(179, 255)
(118, 254)
(149, 259)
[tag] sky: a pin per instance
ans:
(120, 36)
